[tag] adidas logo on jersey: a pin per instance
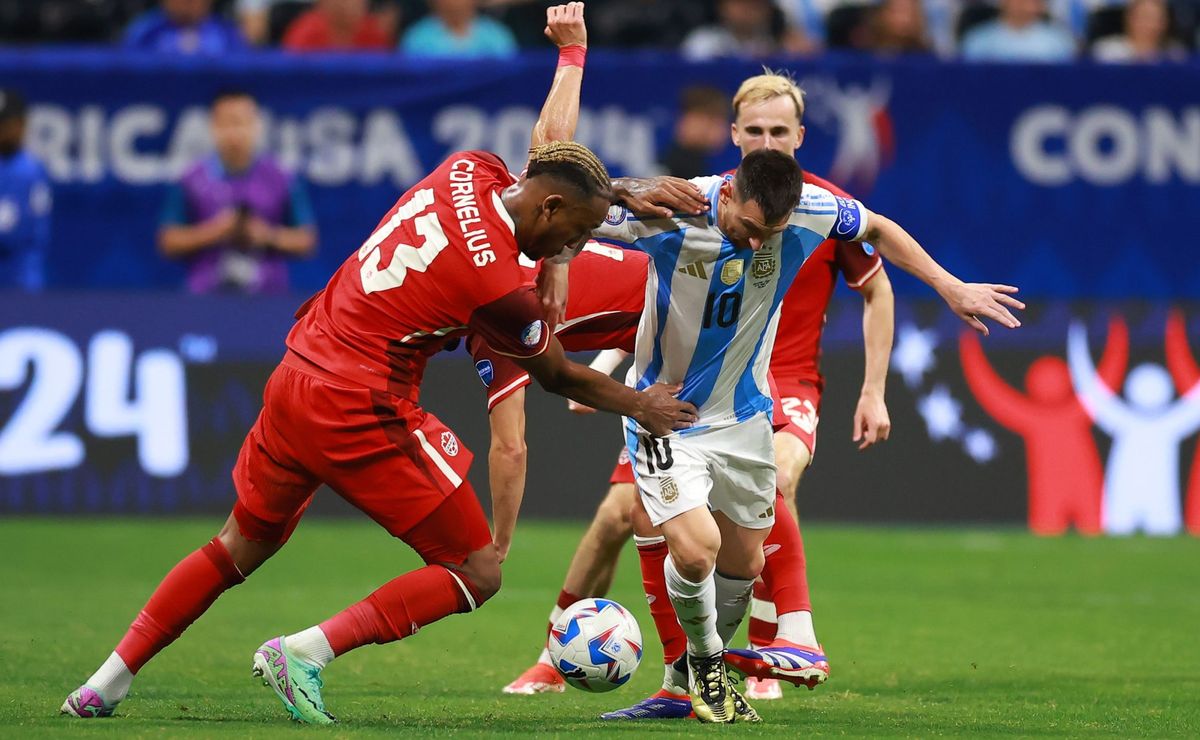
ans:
(696, 269)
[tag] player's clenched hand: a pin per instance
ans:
(660, 197)
(662, 413)
(575, 407)
(871, 421)
(975, 301)
(564, 25)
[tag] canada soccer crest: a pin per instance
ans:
(449, 443)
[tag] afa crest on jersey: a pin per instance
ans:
(487, 372)
(763, 265)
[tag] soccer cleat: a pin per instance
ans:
(86, 703)
(763, 689)
(712, 696)
(296, 682)
(787, 661)
(742, 711)
(662, 705)
(539, 679)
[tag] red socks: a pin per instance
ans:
(784, 576)
(398, 609)
(565, 599)
(184, 594)
(652, 555)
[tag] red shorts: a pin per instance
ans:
(800, 402)
(623, 473)
(383, 454)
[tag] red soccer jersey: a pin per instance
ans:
(798, 341)
(443, 260)
(608, 290)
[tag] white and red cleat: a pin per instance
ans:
(540, 679)
(786, 661)
(763, 689)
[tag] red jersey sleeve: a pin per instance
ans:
(500, 375)
(858, 262)
(512, 324)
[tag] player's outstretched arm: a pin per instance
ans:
(659, 197)
(871, 421)
(604, 362)
(655, 408)
(969, 301)
(560, 113)
(507, 465)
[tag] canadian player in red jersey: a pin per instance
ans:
(768, 110)
(342, 409)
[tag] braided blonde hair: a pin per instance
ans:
(572, 162)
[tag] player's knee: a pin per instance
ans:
(614, 518)
(482, 571)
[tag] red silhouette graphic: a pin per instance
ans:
(1066, 475)
(1186, 373)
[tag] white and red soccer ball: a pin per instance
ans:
(596, 645)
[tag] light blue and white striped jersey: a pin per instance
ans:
(712, 308)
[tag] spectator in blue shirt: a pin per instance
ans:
(455, 29)
(1020, 34)
(24, 202)
(184, 27)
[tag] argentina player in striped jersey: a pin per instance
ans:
(712, 309)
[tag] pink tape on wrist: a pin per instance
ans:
(572, 56)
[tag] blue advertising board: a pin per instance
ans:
(1073, 181)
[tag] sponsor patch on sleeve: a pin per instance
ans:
(487, 373)
(531, 336)
(849, 218)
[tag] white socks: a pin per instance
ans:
(311, 645)
(733, 596)
(112, 679)
(696, 607)
(674, 679)
(797, 627)
(555, 613)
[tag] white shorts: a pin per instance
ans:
(730, 469)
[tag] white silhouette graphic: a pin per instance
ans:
(854, 112)
(1141, 480)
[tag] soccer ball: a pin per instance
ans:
(596, 645)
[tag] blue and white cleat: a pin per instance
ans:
(786, 661)
(87, 703)
(296, 682)
(662, 705)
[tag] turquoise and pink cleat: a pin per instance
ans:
(296, 682)
(86, 703)
(786, 661)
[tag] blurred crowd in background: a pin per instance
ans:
(991, 30)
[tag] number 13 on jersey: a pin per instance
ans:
(404, 257)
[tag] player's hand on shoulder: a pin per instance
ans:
(565, 26)
(871, 421)
(663, 413)
(975, 301)
(660, 197)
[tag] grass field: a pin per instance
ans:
(929, 632)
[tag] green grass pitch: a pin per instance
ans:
(929, 631)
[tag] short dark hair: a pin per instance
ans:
(704, 99)
(231, 94)
(771, 179)
(573, 164)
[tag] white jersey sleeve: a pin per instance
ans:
(832, 216)
(622, 227)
